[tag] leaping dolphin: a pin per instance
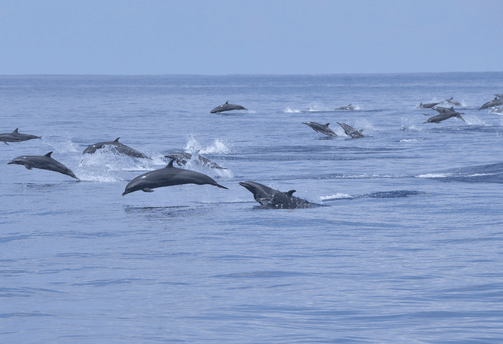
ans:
(275, 199)
(227, 107)
(453, 102)
(182, 158)
(45, 162)
(119, 147)
(168, 176)
(350, 131)
(346, 108)
(495, 102)
(445, 115)
(15, 136)
(320, 128)
(427, 106)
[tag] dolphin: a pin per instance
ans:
(441, 109)
(275, 199)
(15, 136)
(119, 147)
(445, 115)
(227, 107)
(350, 131)
(44, 163)
(453, 102)
(427, 106)
(321, 128)
(182, 158)
(495, 102)
(346, 108)
(168, 176)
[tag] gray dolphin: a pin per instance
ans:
(441, 109)
(453, 102)
(182, 158)
(350, 131)
(15, 136)
(119, 147)
(42, 162)
(168, 176)
(495, 102)
(320, 128)
(427, 106)
(445, 115)
(346, 108)
(275, 199)
(227, 107)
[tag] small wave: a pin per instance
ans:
(410, 140)
(61, 142)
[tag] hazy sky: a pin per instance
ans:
(249, 36)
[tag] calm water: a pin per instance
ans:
(406, 247)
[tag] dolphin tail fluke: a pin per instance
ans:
(5, 143)
(461, 118)
(221, 186)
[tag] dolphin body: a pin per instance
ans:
(227, 107)
(453, 102)
(350, 131)
(427, 106)
(15, 136)
(444, 113)
(45, 162)
(275, 199)
(182, 158)
(495, 102)
(320, 128)
(346, 108)
(119, 147)
(168, 176)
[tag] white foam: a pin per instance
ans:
(335, 196)
(434, 175)
(290, 110)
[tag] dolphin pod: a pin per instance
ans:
(275, 199)
(227, 107)
(320, 128)
(119, 147)
(168, 176)
(15, 136)
(45, 162)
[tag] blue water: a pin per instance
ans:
(406, 249)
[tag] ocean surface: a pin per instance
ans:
(405, 246)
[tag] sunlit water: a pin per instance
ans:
(406, 247)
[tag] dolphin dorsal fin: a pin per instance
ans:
(117, 139)
(227, 102)
(15, 131)
(170, 165)
(452, 108)
(48, 154)
(327, 124)
(289, 193)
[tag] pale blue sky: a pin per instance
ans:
(249, 37)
